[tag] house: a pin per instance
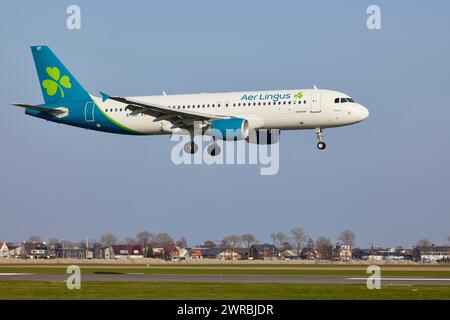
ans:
(35, 250)
(432, 253)
(229, 254)
(342, 252)
(122, 251)
(178, 253)
(196, 253)
(4, 250)
(308, 253)
(289, 254)
(210, 253)
(361, 254)
(264, 252)
(15, 251)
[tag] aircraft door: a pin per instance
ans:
(315, 101)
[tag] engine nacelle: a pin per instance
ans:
(264, 136)
(229, 129)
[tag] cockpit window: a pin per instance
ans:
(344, 100)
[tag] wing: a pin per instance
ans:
(178, 118)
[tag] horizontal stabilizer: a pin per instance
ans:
(54, 112)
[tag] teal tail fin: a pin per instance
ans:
(56, 81)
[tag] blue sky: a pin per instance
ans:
(387, 179)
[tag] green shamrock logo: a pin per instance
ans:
(298, 96)
(56, 82)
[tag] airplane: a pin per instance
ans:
(215, 114)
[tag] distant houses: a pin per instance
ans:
(265, 251)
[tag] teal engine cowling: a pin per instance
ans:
(229, 129)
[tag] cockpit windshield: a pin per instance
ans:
(344, 100)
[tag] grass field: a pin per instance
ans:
(190, 291)
(236, 270)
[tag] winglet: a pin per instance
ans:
(105, 96)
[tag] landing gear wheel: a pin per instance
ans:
(190, 147)
(213, 149)
(321, 145)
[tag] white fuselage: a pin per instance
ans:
(271, 109)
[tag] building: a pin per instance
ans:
(4, 250)
(35, 250)
(178, 253)
(342, 252)
(264, 252)
(122, 251)
(308, 253)
(431, 253)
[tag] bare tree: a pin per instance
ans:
(448, 238)
(278, 238)
(182, 243)
(324, 248)
(53, 241)
(108, 239)
(209, 244)
(130, 241)
(348, 238)
(423, 243)
(164, 241)
(299, 238)
(35, 238)
(144, 238)
(248, 240)
(310, 243)
(231, 242)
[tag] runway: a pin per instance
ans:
(131, 277)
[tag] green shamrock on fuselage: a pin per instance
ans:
(57, 83)
(298, 95)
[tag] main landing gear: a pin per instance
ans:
(190, 147)
(213, 149)
(320, 145)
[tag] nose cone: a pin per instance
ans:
(361, 113)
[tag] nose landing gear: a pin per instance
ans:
(320, 145)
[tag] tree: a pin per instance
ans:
(208, 244)
(278, 238)
(285, 245)
(248, 240)
(144, 238)
(108, 239)
(231, 242)
(53, 241)
(182, 243)
(130, 241)
(299, 238)
(348, 238)
(324, 248)
(165, 241)
(310, 243)
(35, 238)
(423, 243)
